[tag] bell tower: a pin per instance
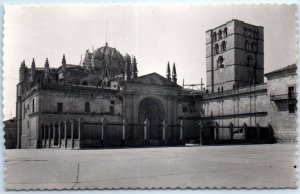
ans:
(234, 55)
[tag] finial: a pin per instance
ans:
(134, 68)
(64, 59)
(168, 71)
(174, 74)
(23, 64)
(33, 63)
(47, 63)
(174, 70)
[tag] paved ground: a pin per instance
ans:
(208, 166)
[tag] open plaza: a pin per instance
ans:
(231, 166)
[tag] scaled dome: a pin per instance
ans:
(106, 60)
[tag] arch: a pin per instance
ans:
(220, 34)
(220, 62)
(223, 46)
(152, 108)
(246, 45)
(249, 61)
(255, 34)
(225, 32)
(216, 49)
(214, 36)
(245, 31)
(254, 47)
(249, 33)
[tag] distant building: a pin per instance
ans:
(103, 102)
(10, 136)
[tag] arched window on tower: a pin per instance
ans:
(223, 46)
(220, 34)
(246, 45)
(254, 47)
(249, 33)
(249, 61)
(255, 34)
(225, 32)
(214, 36)
(220, 62)
(216, 49)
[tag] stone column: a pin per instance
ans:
(216, 131)
(231, 131)
(72, 133)
(124, 129)
(257, 132)
(49, 136)
(245, 131)
(59, 135)
(270, 135)
(53, 129)
(79, 129)
(146, 126)
(102, 129)
(181, 130)
(65, 137)
(200, 133)
(44, 129)
(165, 125)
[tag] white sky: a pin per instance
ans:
(155, 34)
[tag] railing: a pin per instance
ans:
(240, 90)
(279, 97)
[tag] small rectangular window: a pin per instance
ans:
(59, 107)
(292, 108)
(291, 91)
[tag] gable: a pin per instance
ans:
(153, 79)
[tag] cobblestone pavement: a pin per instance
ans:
(239, 166)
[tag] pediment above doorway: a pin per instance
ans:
(153, 79)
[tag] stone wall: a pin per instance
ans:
(283, 122)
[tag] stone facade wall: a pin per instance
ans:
(283, 122)
(239, 107)
(45, 111)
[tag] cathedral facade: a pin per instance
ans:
(102, 102)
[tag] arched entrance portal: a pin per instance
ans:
(152, 109)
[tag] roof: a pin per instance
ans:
(292, 67)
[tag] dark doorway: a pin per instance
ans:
(152, 109)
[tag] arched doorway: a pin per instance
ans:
(152, 109)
